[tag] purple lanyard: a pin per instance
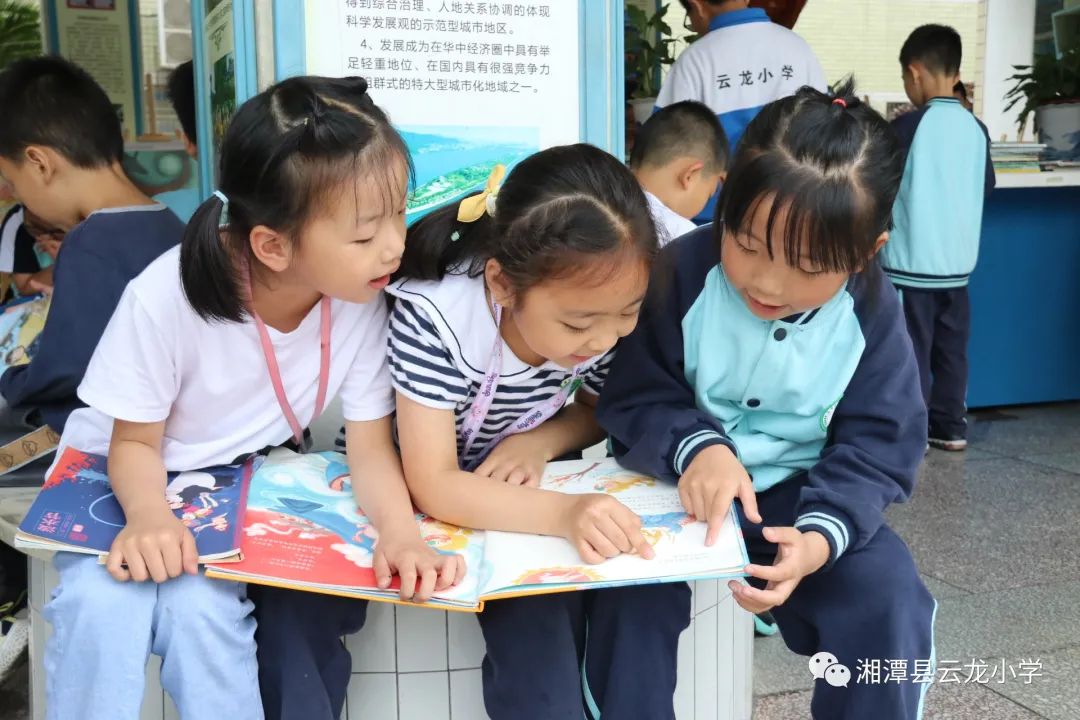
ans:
(528, 420)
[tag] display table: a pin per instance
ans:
(1024, 346)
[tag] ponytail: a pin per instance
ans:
(208, 267)
(831, 162)
(559, 209)
(439, 243)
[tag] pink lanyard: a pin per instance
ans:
(482, 403)
(275, 372)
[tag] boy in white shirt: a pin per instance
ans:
(680, 158)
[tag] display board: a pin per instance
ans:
(103, 37)
(469, 84)
(224, 74)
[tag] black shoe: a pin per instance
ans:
(949, 443)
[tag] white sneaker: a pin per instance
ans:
(14, 641)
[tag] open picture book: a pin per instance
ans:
(76, 510)
(21, 323)
(303, 530)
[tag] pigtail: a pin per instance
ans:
(287, 152)
(439, 243)
(557, 209)
(208, 269)
(844, 90)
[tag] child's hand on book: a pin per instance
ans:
(715, 478)
(423, 571)
(153, 545)
(798, 554)
(40, 286)
(517, 460)
(601, 527)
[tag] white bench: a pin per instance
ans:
(414, 663)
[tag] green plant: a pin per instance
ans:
(20, 31)
(648, 48)
(1046, 81)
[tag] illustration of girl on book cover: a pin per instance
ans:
(203, 499)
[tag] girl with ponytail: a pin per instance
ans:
(272, 305)
(506, 306)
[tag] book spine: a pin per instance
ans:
(245, 484)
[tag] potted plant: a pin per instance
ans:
(648, 49)
(20, 31)
(1050, 88)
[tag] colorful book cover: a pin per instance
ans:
(76, 510)
(21, 323)
(303, 530)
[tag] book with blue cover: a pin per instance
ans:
(76, 510)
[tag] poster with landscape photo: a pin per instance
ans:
(453, 162)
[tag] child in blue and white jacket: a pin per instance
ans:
(782, 376)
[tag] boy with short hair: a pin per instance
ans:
(60, 149)
(181, 92)
(742, 62)
(680, 157)
(937, 218)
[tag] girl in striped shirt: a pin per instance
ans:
(505, 307)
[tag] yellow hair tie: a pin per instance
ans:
(473, 208)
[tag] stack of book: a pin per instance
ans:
(1016, 157)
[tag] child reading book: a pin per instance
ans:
(60, 148)
(509, 305)
(229, 344)
(771, 364)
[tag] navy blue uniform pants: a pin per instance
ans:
(609, 653)
(304, 668)
(869, 608)
(939, 323)
(536, 649)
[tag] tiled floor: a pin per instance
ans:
(996, 534)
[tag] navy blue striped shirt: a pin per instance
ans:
(441, 338)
